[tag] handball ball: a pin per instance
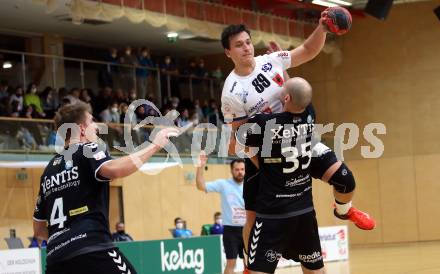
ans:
(338, 20)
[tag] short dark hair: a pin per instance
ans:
(217, 214)
(177, 219)
(230, 31)
(71, 113)
(233, 162)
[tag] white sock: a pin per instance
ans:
(342, 209)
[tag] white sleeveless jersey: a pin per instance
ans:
(259, 92)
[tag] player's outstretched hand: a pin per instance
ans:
(322, 20)
(203, 159)
(162, 137)
(273, 47)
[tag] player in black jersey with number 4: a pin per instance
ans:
(286, 223)
(73, 202)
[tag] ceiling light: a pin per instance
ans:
(172, 35)
(324, 3)
(7, 65)
(340, 2)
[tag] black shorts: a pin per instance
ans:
(110, 261)
(294, 238)
(233, 241)
(250, 185)
(322, 161)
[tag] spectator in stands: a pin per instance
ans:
(217, 227)
(174, 102)
(29, 134)
(165, 109)
(123, 108)
(111, 113)
(29, 112)
(4, 90)
(191, 70)
(201, 71)
(73, 95)
(198, 111)
(183, 118)
(143, 74)
(15, 110)
(102, 102)
(217, 74)
(141, 114)
(86, 96)
(51, 102)
(180, 230)
(62, 92)
(168, 69)
(127, 73)
(120, 96)
(150, 111)
(120, 235)
(17, 97)
(111, 116)
(213, 115)
(31, 98)
(108, 75)
(132, 96)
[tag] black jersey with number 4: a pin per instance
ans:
(74, 200)
(285, 154)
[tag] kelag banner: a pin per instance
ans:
(178, 256)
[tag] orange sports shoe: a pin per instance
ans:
(359, 218)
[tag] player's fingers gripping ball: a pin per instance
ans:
(337, 20)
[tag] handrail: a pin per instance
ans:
(72, 59)
(101, 63)
(50, 121)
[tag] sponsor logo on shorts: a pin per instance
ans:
(119, 262)
(272, 256)
(254, 242)
(311, 258)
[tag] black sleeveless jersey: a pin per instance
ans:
(74, 200)
(284, 155)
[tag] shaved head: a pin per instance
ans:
(297, 94)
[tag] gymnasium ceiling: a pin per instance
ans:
(24, 18)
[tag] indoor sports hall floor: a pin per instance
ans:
(409, 258)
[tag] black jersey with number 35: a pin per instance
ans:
(74, 200)
(284, 156)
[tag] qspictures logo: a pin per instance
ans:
(182, 259)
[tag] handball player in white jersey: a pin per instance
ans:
(254, 86)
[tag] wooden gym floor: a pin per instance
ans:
(408, 258)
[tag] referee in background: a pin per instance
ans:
(234, 215)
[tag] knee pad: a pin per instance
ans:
(321, 162)
(343, 180)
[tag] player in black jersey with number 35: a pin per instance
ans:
(286, 223)
(73, 202)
